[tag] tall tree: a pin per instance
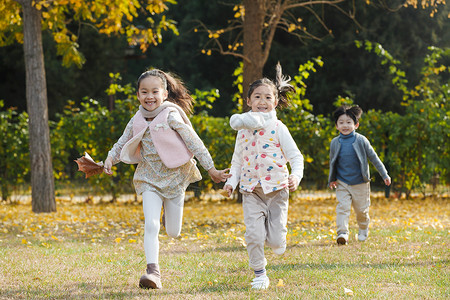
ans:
(36, 93)
(250, 34)
(59, 17)
(256, 22)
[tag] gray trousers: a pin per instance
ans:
(358, 196)
(265, 218)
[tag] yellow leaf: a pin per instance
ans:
(117, 240)
(280, 282)
(24, 241)
(131, 241)
(55, 238)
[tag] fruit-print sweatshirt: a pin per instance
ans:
(263, 147)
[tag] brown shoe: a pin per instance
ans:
(152, 278)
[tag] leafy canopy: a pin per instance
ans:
(142, 22)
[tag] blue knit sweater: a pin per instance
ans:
(348, 167)
(364, 153)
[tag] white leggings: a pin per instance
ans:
(173, 214)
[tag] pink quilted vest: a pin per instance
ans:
(168, 143)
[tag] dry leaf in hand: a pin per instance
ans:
(224, 193)
(87, 165)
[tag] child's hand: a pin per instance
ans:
(292, 183)
(228, 188)
(219, 176)
(387, 181)
(107, 166)
(333, 184)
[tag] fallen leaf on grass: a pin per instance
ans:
(348, 292)
(280, 282)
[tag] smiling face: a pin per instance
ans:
(345, 125)
(262, 99)
(151, 93)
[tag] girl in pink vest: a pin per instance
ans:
(161, 140)
(263, 147)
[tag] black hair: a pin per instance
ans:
(177, 92)
(281, 87)
(354, 112)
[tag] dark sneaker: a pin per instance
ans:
(342, 239)
(152, 278)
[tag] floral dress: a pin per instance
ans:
(151, 174)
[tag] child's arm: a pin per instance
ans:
(249, 120)
(235, 170)
(334, 150)
(375, 160)
(293, 155)
(114, 154)
(197, 147)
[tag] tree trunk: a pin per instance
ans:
(253, 47)
(42, 181)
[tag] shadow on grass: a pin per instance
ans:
(327, 266)
(219, 288)
(103, 292)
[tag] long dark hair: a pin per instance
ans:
(281, 87)
(177, 92)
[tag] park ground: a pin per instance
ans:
(95, 251)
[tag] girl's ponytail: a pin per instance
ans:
(283, 87)
(178, 93)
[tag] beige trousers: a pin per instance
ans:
(265, 218)
(358, 196)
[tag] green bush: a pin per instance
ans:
(417, 141)
(413, 145)
(14, 153)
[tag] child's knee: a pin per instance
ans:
(152, 225)
(280, 250)
(278, 245)
(173, 232)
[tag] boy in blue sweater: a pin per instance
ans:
(349, 172)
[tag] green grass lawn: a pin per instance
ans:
(96, 252)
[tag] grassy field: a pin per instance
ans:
(87, 251)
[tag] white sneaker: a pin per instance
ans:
(342, 238)
(363, 234)
(260, 283)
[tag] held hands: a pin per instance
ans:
(292, 183)
(219, 176)
(107, 166)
